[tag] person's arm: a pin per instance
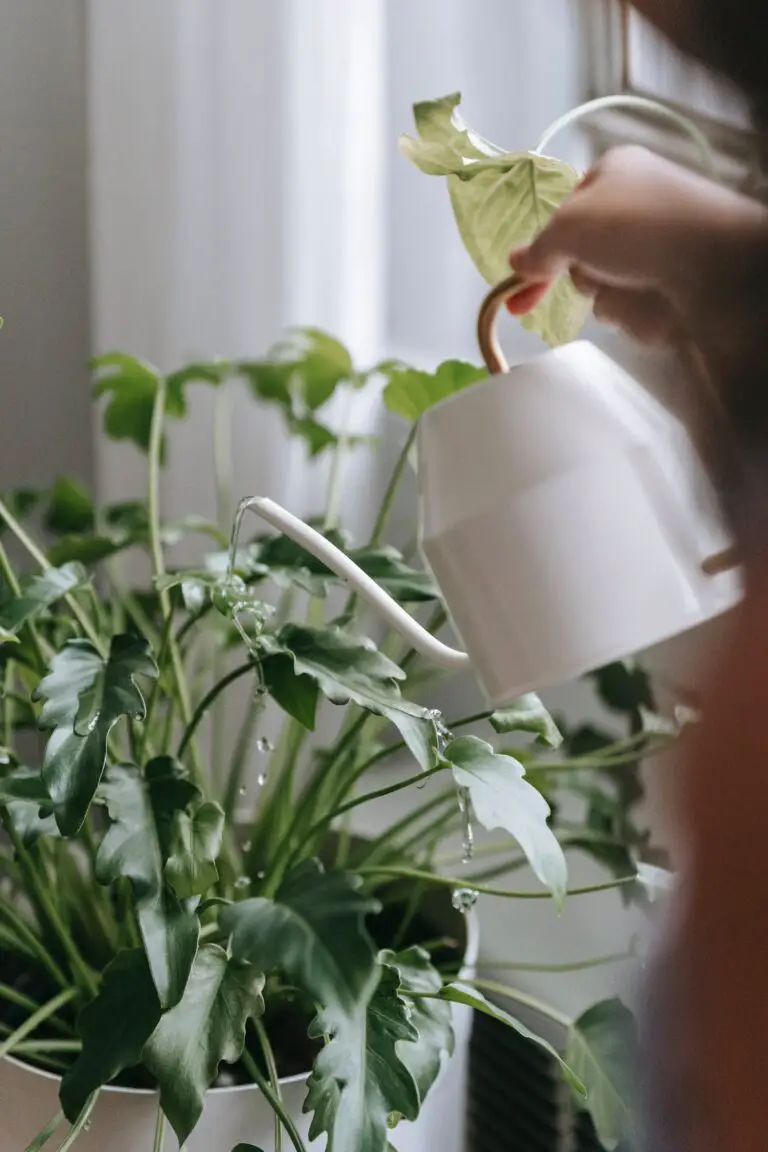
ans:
(724, 943)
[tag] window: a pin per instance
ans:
(626, 54)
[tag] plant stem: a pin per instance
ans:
(157, 1144)
(333, 495)
(453, 882)
(32, 1047)
(392, 487)
(43, 1137)
(208, 699)
(524, 999)
(80, 1125)
(77, 965)
(30, 1005)
(37, 1018)
(274, 1079)
(39, 556)
(158, 561)
(254, 1071)
(325, 821)
(573, 966)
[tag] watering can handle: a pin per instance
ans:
(323, 550)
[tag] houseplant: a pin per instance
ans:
(149, 934)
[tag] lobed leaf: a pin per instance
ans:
(206, 1028)
(195, 843)
(136, 848)
(38, 594)
(410, 393)
(528, 714)
(601, 1052)
(503, 798)
(85, 695)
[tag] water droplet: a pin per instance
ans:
(264, 745)
(468, 839)
(243, 882)
(241, 791)
(260, 875)
(87, 1125)
(261, 779)
(247, 844)
(464, 900)
(434, 714)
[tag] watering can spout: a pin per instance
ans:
(340, 564)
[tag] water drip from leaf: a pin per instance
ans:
(464, 900)
(260, 875)
(468, 837)
(261, 779)
(243, 882)
(264, 745)
(241, 790)
(247, 846)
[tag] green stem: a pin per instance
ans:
(158, 562)
(77, 965)
(7, 571)
(276, 1104)
(155, 694)
(80, 1125)
(30, 1005)
(325, 821)
(392, 487)
(43, 1137)
(333, 495)
(522, 998)
(39, 556)
(453, 882)
(207, 701)
(6, 704)
(157, 1144)
(33, 1047)
(573, 966)
(37, 1018)
(274, 1079)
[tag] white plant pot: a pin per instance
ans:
(124, 1119)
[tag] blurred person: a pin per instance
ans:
(676, 260)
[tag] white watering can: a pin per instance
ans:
(564, 514)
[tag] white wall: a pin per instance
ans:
(45, 418)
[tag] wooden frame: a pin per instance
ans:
(607, 29)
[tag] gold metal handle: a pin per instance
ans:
(496, 363)
(487, 336)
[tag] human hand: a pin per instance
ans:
(666, 254)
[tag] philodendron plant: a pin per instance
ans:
(172, 916)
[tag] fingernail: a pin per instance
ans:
(527, 299)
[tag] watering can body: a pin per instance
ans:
(566, 518)
(567, 521)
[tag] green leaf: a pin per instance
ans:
(300, 377)
(624, 687)
(348, 667)
(40, 593)
(287, 563)
(601, 1051)
(136, 847)
(206, 1027)
(195, 844)
(431, 1018)
(503, 798)
(410, 393)
(314, 932)
(501, 200)
(131, 386)
(26, 785)
(358, 1080)
(114, 1028)
(528, 714)
(70, 509)
(85, 696)
(296, 695)
(8, 637)
(463, 994)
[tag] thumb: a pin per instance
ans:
(544, 259)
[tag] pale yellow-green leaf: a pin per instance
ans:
(501, 200)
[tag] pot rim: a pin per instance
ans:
(471, 954)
